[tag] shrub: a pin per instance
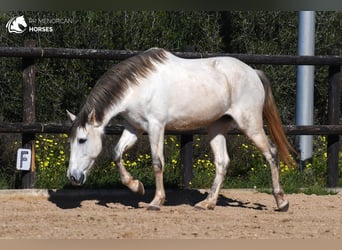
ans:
(51, 160)
(248, 169)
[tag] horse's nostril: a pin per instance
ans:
(81, 179)
(73, 179)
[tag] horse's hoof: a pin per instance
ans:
(153, 208)
(204, 205)
(283, 207)
(137, 187)
(141, 189)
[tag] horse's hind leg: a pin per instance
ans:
(218, 145)
(254, 130)
(127, 140)
(271, 154)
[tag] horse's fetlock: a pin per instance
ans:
(278, 192)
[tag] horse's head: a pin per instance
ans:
(85, 146)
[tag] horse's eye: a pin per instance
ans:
(82, 140)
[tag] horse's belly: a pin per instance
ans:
(194, 117)
(196, 108)
(188, 124)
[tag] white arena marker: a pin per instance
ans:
(24, 159)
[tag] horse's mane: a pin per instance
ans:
(112, 85)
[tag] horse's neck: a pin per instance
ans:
(111, 112)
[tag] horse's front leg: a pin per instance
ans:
(156, 137)
(221, 160)
(127, 140)
(216, 133)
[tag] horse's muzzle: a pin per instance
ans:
(77, 178)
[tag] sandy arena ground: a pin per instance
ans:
(117, 214)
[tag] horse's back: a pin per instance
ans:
(225, 80)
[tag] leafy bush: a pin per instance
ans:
(52, 159)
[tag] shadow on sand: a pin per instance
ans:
(72, 198)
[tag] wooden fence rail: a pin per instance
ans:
(29, 126)
(58, 128)
(68, 53)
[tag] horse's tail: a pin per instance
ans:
(274, 123)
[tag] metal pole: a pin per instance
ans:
(305, 83)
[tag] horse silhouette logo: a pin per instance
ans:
(16, 25)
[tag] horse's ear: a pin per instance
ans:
(92, 119)
(71, 116)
